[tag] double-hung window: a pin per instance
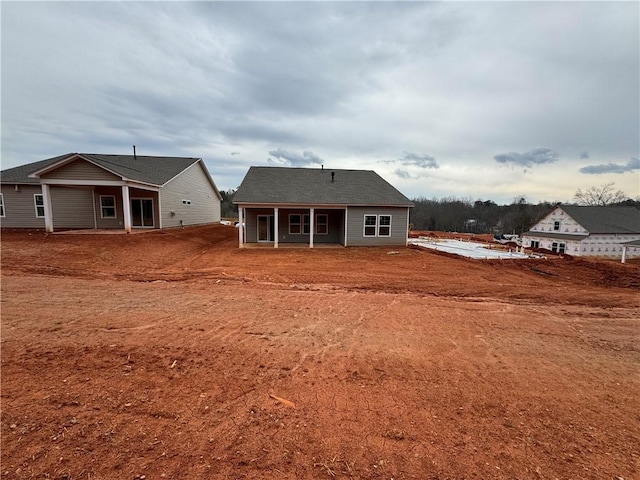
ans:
(384, 226)
(107, 206)
(1, 205)
(377, 225)
(295, 227)
(556, 225)
(370, 225)
(38, 201)
(322, 224)
(305, 224)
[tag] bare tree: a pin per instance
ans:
(599, 196)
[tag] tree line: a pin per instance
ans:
(451, 214)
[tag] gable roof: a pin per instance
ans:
(605, 219)
(314, 186)
(145, 169)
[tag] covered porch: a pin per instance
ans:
(292, 226)
(99, 206)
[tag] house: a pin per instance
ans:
(587, 231)
(279, 205)
(94, 191)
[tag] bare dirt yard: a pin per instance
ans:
(176, 355)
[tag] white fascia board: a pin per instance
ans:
(97, 183)
(142, 186)
(290, 205)
(100, 183)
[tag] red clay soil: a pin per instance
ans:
(174, 354)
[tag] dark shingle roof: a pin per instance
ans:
(605, 219)
(559, 236)
(145, 169)
(313, 186)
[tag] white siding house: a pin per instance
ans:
(586, 231)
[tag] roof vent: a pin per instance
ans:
(333, 176)
(134, 153)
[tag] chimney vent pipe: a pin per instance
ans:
(134, 153)
(333, 176)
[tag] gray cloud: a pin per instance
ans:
(631, 165)
(354, 80)
(415, 160)
(535, 156)
(584, 154)
(404, 174)
(295, 159)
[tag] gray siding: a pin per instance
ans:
(72, 207)
(19, 207)
(106, 223)
(335, 229)
(80, 170)
(355, 226)
(251, 222)
(193, 185)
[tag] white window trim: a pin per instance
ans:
(377, 225)
(326, 223)
(115, 210)
(380, 225)
(364, 226)
(36, 206)
(3, 213)
(299, 223)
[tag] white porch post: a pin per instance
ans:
(311, 229)
(624, 254)
(126, 208)
(48, 211)
(276, 220)
(240, 227)
(346, 215)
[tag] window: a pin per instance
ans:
(38, 200)
(107, 206)
(322, 224)
(305, 224)
(1, 205)
(370, 223)
(535, 244)
(294, 224)
(556, 225)
(186, 202)
(384, 226)
(557, 247)
(377, 225)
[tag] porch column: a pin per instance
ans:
(624, 254)
(275, 227)
(48, 211)
(346, 215)
(240, 227)
(126, 208)
(311, 210)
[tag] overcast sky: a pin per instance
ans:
(480, 100)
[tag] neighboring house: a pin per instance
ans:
(278, 205)
(587, 231)
(85, 190)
